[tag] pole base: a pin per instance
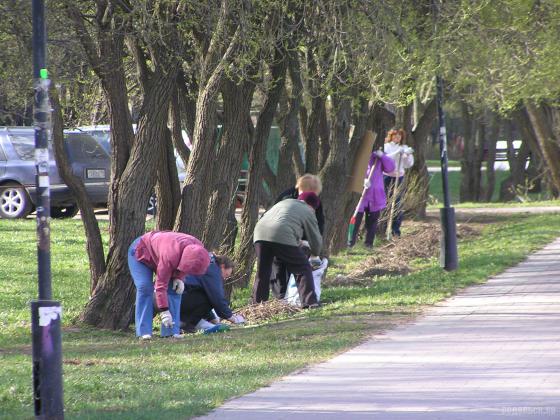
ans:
(47, 359)
(448, 254)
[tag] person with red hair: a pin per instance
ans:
(171, 256)
(403, 157)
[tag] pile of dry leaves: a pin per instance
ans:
(421, 240)
(267, 310)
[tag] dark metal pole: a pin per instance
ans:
(45, 313)
(448, 255)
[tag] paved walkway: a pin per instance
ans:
(491, 352)
(471, 211)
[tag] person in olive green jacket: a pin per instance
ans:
(279, 234)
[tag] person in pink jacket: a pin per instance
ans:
(374, 198)
(171, 256)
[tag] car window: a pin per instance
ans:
(103, 137)
(83, 147)
(24, 146)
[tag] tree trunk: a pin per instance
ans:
(418, 180)
(94, 244)
(168, 190)
(176, 128)
(381, 120)
(312, 141)
(470, 166)
(494, 133)
(195, 195)
(227, 245)
(111, 306)
(335, 173)
(245, 254)
(288, 122)
(234, 143)
(542, 121)
(481, 153)
(535, 170)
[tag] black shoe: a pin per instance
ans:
(312, 306)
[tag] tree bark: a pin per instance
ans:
(535, 171)
(381, 120)
(470, 164)
(542, 121)
(245, 254)
(94, 244)
(195, 195)
(418, 180)
(168, 190)
(111, 306)
(133, 169)
(335, 173)
(234, 143)
(494, 133)
(288, 122)
(176, 128)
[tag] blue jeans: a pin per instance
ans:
(144, 313)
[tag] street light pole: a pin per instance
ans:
(448, 242)
(45, 312)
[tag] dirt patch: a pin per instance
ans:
(420, 240)
(78, 362)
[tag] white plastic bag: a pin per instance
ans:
(292, 295)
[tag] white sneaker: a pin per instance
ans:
(179, 336)
(146, 337)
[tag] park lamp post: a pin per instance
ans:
(45, 312)
(448, 242)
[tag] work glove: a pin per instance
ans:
(237, 319)
(379, 153)
(367, 183)
(166, 319)
(178, 286)
(315, 262)
(304, 244)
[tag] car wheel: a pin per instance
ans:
(14, 202)
(64, 212)
(152, 205)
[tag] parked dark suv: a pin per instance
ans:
(17, 173)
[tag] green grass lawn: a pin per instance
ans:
(111, 375)
(437, 163)
(454, 179)
(511, 204)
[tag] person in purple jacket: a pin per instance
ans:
(171, 256)
(374, 198)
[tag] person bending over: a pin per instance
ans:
(204, 294)
(278, 234)
(171, 256)
(305, 183)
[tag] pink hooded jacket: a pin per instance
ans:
(172, 255)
